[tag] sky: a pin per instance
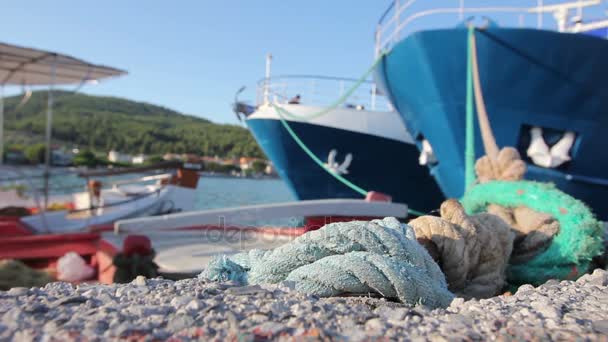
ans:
(192, 56)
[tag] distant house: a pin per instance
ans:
(61, 158)
(117, 157)
(215, 160)
(190, 158)
(172, 156)
(139, 159)
(246, 163)
(230, 161)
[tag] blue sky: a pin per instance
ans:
(193, 55)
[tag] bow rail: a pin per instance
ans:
(316, 90)
(403, 17)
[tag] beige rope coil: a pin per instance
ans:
(472, 251)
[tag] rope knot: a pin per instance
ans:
(378, 257)
(472, 251)
(506, 166)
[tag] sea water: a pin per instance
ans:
(212, 191)
(220, 192)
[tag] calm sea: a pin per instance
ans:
(212, 192)
(215, 192)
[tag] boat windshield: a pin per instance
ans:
(404, 17)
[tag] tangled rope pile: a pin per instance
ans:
(473, 251)
(381, 256)
(565, 255)
(556, 234)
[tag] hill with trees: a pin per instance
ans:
(109, 123)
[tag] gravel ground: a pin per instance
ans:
(158, 309)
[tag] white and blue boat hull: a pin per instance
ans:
(384, 156)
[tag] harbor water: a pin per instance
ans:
(212, 191)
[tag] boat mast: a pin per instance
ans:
(267, 80)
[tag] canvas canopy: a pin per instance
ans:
(26, 66)
(21, 66)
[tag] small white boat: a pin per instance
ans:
(96, 207)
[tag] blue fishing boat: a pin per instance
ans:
(545, 88)
(362, 141)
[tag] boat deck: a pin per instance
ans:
(188, 251)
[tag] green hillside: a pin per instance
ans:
(105, 123)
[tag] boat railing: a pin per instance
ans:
(407, 16)
(320, 91)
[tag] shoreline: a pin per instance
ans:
(37, 171)
(226, 175)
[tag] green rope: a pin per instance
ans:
(469, 152)
(341, 99)
(312, 156)
(415, 212)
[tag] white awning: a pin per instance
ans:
(26, 66)
(31, 67)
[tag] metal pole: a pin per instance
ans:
(49, 131)
(1, 124)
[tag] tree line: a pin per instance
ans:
(108, 123)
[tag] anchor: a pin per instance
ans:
(549, 157)
(341, 169)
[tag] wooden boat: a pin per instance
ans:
(183, 242)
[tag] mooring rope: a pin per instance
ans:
(474, 91)
(312, 156)
(489, 142)
(358, 257)
(469, 152)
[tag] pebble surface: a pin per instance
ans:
(193, 309)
